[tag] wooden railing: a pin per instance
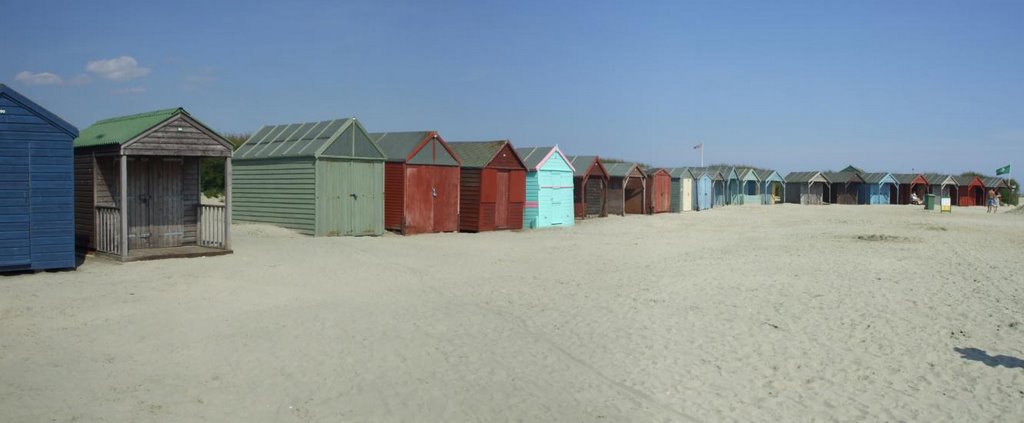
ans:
(108, 229)
(212, 225)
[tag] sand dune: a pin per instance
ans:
(787, 313)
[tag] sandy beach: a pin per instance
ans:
(785, 313)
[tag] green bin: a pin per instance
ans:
(929, 201)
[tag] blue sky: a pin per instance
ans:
(887, 85)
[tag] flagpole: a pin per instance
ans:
(702, 154)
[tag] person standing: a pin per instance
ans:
(991, 200)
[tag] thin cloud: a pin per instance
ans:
(129, 91)
(117, 69)
(41, 78)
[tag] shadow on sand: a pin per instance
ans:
(978, 355)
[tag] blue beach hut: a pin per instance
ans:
(879, 188)
(37, 219)
(549, 187)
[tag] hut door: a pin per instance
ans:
(155, 204)
(419, 200)
(446, 199)
(138, 203)
(360, 200)
(687, 197)
(501, 200)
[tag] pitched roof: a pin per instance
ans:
(399, 145)
(581, 164)
(122, 129)
(743, 172)
(680, 172)
(39, 110)
(726, 171)
(535, 157)
(991, 182)
(620, 169)
(843, 177)
(878, 177)
(964, 180)
(938, 178)
(767, 174)
(340, 137)
(803, 177)
(905, 178)
(477, 154)
(852, 169)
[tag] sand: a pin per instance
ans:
(788, 313)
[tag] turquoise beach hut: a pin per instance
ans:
(549, 187)
(749, 187)
(879, 188)
(773, 186)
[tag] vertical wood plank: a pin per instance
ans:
(227, 204)
(124, 207)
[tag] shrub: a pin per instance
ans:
(211, 170)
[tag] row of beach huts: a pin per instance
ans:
(129, 187)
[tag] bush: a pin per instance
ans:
(211, 170)
(1011, 196)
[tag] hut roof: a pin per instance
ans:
(852, 169)
(769, 175)
(964, 180)
(878, 178)
(39, 110)
(535, 157)
(581, 164)
(727, 172)
(843, 177)
(477, 154)
(804, 177)
(399, 145)
(991, 182)
(906, 178)
(311, 139)
(621, 169)
(119, 130)
(747, 173)
(680, 172)
(938, 178)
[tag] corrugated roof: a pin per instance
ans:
(477, 154)
(905, 178)
(802, 177)
(581, 164)
(842, 177)
(310, 139)
(991, 182)
(937, 178)
(620, 169)
(680, 172)
(532, 156)
(120, 130)
(876, 177)
(399, 145)
(40, 110)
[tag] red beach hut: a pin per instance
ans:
(493, 186)
(421, 182)
(659, 191)
(972, 191)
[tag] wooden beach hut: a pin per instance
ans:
(718, 187)
(704, 195)
(730, 191)
(749, 183)
(590, 186)
(879, 188)
(994, 183)
(137, 187)
(807, 188)
(682, 189)
(773, 186)
(493, 187)
(319, 178)
(627, 186)
(658, 191)
(972, 190)
(942, 185)
(911, 183)
(421, 182)
(844, 187)
(549, 187)
(37, 220)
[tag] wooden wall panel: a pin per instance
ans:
(469, 200)
(179, 137)
(395, 179)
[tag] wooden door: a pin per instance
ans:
(166, 209)
(419, 199)
(139, 197)
(687, 197)
(501, 200)
(446, 199)
(363, 205)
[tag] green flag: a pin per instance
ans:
(1003, 170)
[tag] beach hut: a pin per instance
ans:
(682, 189)
(749, 187)
(910, 183)
(942, 185)
(807, 188)
(994, 183)
(493, 188)
(773, 186)
(37, 220)
(879, 188)
(972, 190)
(590, 186)
(421, 182)
(319, 178)
(730, 185)
(718, 187)
(658, 191)
(137, 190)
(844, 187)
(549, 187)
(703, 189)
(627, 184)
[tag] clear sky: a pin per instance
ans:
(886, 85)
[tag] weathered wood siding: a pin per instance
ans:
(431, 199)
(659, 192)
(394, 195)
(280, 192)
(469, 200)
(178, 137)
(84, 204)
(36, 191)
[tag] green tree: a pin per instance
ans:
(211, 170)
